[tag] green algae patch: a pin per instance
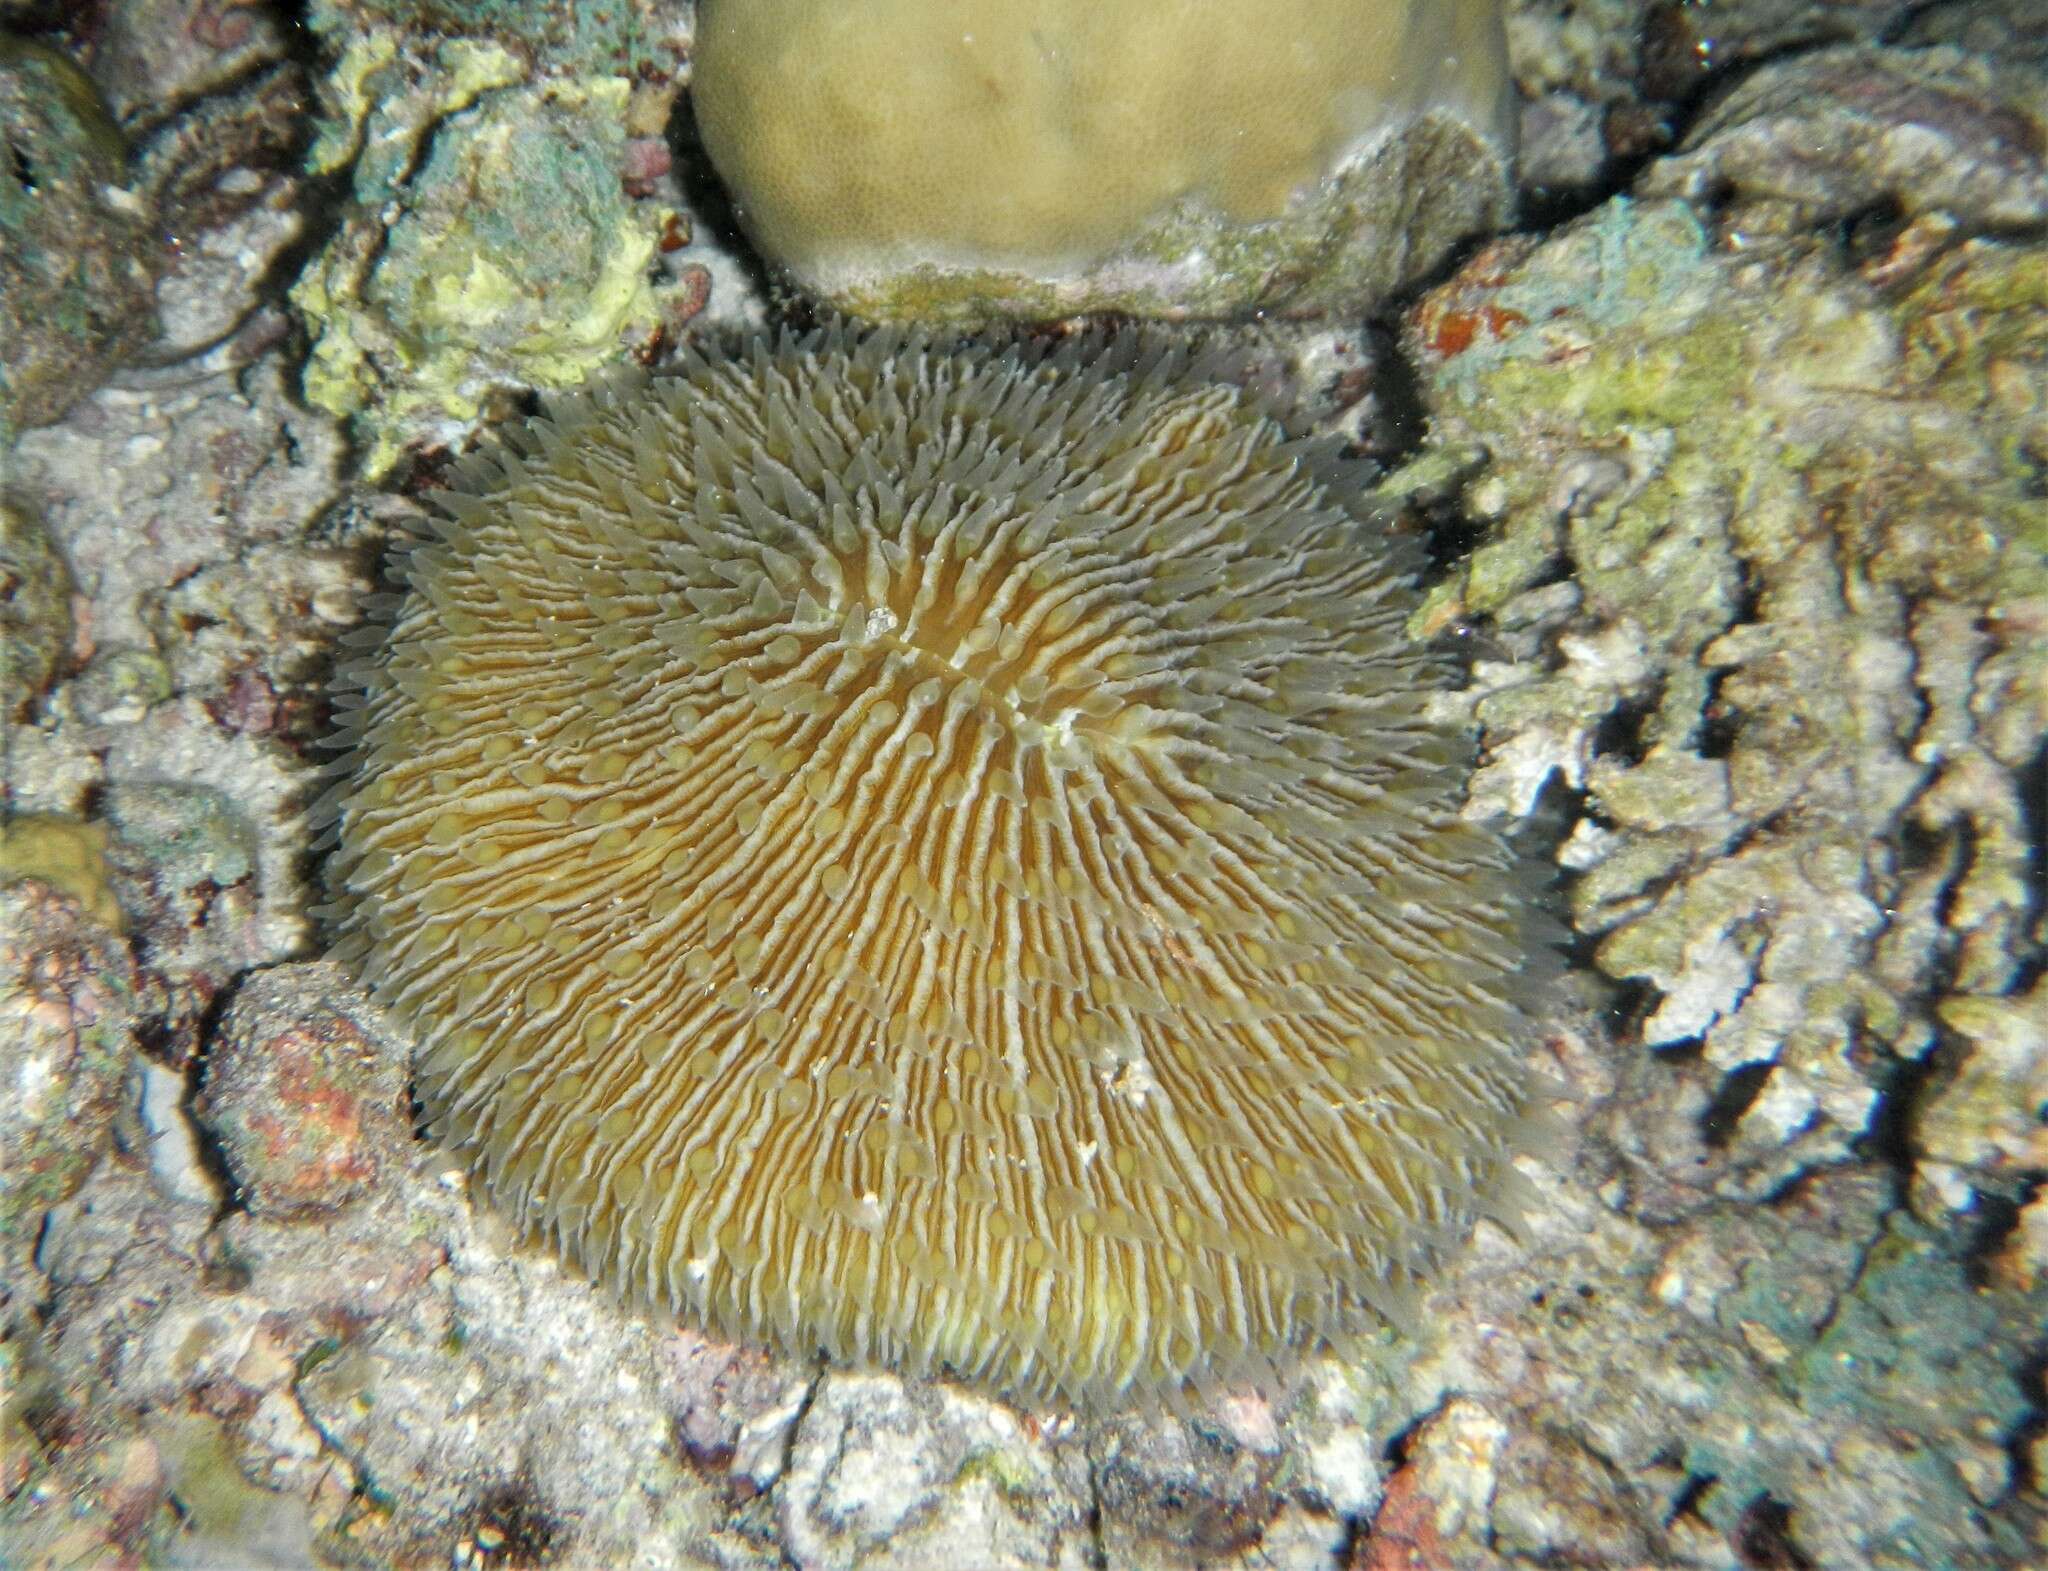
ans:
(1906, 1345)
(491, 246)
(349, 99)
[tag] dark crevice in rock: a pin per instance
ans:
(2032, 1377)
(1868, 234)
(1539, 834)
(1763, 1537)
(1623, 732)
(1889, 1137)
(511, 1526)
(1921, 846)
(78, 22)
(212, 1155)
(1987, 1227)
(1449, 534)
(1749, 595)
(1680, 1050)
(1963, 840)
(809, 1400)
(709, 204)
(1734, 1097)
(1098, 1548)
(1395, 1453)
(1635, 1000)
(1351, 1544)
(44, 1305)
(2033, 793)
(1397, 423)
(1689, 1500)
(23, 168)
(416, 1112)
(1798, 1188)
(1722, 722)
(1582, 951)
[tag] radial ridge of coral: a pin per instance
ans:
(940, 857)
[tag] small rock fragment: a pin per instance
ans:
(1436, 1508)
(75, 273)
(67, 1022)
(35, 609)
(309, 1112)
(1176, 1492)
(885, 1474)
(118, 686)
(1983, 1122)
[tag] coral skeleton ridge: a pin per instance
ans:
(940, 857)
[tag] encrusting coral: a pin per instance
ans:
(940, 857)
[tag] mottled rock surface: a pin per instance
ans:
(1840, 132)
(77, 248)
(1698, 505)
(68, 1013)
(1608, 84)
(170, 500)
(513, 221)
(307, 1109)
(35, 609)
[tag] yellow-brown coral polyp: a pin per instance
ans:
(940, 856)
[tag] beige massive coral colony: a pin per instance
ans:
(919, 159)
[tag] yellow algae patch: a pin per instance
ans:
(67, 854)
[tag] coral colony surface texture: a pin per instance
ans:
(921, 158)
(939, 857)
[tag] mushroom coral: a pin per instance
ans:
(940, 857)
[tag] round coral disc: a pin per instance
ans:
(940, 857)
